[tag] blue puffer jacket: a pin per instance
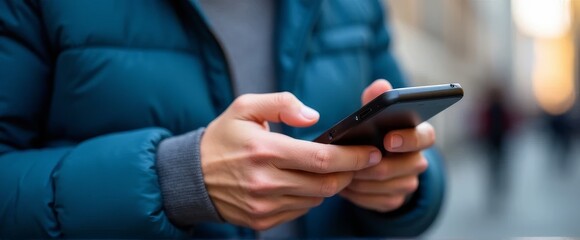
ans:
(89, 88)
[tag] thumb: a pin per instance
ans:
(273, 107)
(375, 89)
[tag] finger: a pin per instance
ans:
(243, 218)
(261, 224)
(409, 140)
(401, 185)
(378, 202)
(298, 183)
(266, 206)
(320, 185)
(320, 158)
(375, 89)
(396, 165)
(273, 107)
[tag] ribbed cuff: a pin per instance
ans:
(185, 197)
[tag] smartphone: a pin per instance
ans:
(394, 109)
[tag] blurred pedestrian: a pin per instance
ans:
(496, 120)
(561, 132)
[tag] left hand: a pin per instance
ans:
(385, 186)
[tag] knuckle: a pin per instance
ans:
(416, 141)
(259, 150)
(431, 136)
(260, 224)
(260, 209)
(259, 185)
(329, 186)
(424, 136)
(322, 161)
(430, 131)
(286, 99)
(411, 185)
(421, 165)
(381, 172)
(355, 185)
(242, 102)
(317, 201)
(392, 203)
(360, 161)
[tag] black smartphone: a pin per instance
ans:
(394, 109)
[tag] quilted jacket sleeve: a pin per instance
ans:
(102, 187)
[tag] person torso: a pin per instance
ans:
(124, 65)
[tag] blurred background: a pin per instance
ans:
(512, 145)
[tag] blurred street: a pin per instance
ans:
(504, 143)
(541, 201)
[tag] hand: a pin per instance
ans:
(260, 179)
(384, 187)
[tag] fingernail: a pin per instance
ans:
(375, 158)
(396, 141)
(309, 113)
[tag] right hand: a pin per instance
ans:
(259, 179)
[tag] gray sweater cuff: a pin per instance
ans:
(185, 197)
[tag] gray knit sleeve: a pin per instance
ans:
(185, 197)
